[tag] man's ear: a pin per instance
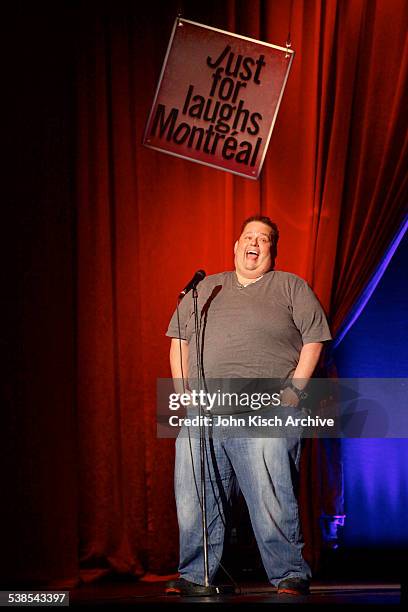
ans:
(235, 247)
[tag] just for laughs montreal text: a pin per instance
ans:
(253, 401)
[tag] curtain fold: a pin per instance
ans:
(333, 181)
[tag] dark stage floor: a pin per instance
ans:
(131, 592)
(360, 578)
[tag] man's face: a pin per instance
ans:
(253, 250)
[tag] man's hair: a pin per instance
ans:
(275, 232)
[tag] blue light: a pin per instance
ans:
(376, 470)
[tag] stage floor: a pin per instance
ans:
(132, 592)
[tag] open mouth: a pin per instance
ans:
(252, 254)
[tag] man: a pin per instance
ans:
(255, 323)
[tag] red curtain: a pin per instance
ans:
(333, 180)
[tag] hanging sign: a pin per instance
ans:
(217, 98)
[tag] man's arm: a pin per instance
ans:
(179, 363)
(308, 360)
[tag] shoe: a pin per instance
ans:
(294, 586)
(189, 589)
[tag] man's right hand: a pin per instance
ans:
(288, 397)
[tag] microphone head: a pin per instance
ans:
(197, 278)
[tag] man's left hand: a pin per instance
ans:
(289, 398)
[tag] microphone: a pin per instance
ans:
(198, 276)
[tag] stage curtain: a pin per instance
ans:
(333, 180)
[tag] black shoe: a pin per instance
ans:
(189, 589)
(294, 586)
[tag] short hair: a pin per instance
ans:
(275, 232)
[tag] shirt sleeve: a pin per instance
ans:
(308, 314)
(185, 312)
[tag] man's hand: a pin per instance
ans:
(289, 398)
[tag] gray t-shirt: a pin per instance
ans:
(255, 331)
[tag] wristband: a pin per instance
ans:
(302, 395)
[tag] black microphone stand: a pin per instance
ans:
(209, 589)
(202, 443)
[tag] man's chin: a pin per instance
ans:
(252, 272)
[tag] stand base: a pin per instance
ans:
(185, 589)
(225, 589)
(211, 590)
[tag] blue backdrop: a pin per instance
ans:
(376, 470)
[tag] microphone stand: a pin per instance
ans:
(202, 443)
(207, 589)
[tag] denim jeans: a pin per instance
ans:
(265, 469)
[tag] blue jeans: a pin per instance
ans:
(264, 469)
